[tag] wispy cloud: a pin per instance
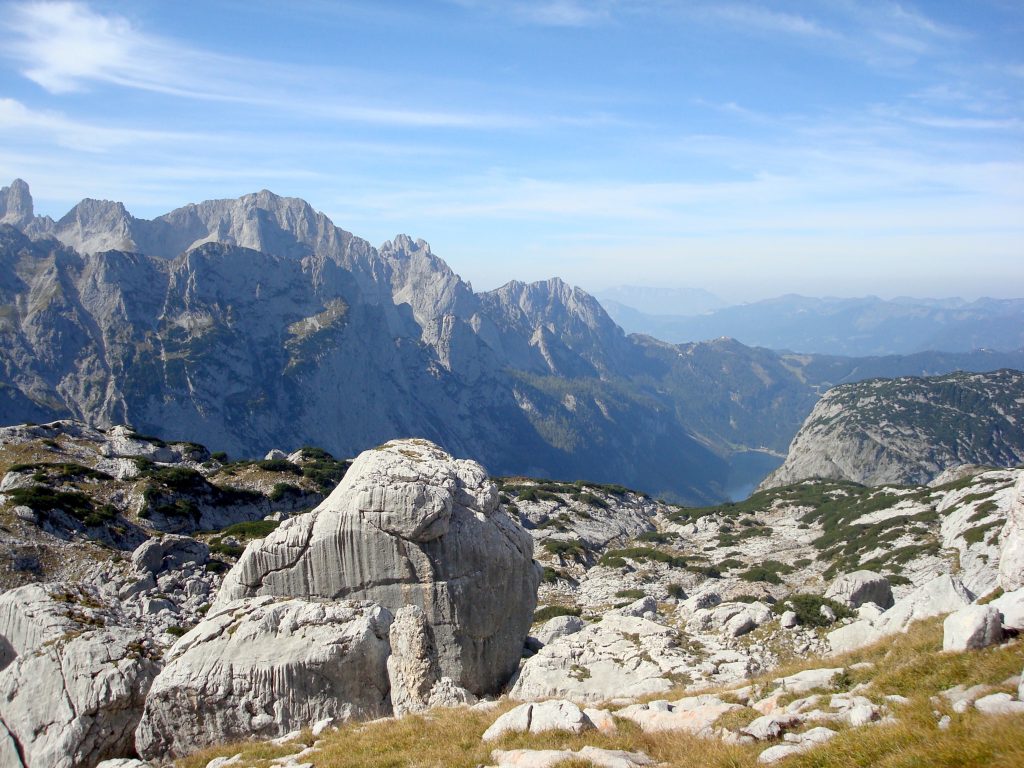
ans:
(83, 135)
(546, 13)
(765, 20)
(66, 47)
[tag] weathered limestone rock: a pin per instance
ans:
(1011, 555)
(618, 656)
(1011, 605)
(694, 714)
(942, 594)
(549, 758)
(36, 613)
(771, 726)
(808, 680)
(123, 442)
(795, 744)
(76, 699)
(416, 683)
(999, 704)
(559, 626)
(641, 608)
(263, 667)
(412, 666)
(854, 589)
(538, 717)
(973, 627)
(409, 525)
(168, 552)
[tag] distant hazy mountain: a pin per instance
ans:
(908, 430)
(863, 326)
(659, 301)
(255, 323)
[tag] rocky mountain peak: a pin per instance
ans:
(93, 226)
(403, 244)
(16, 204)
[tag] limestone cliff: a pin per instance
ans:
(909, 430)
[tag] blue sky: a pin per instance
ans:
(840, 147)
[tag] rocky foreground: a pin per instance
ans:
(136, 625)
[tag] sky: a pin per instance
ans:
(840, 147)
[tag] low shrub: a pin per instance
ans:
(633, 594)
(808, 609)
(551, 611)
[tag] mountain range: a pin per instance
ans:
(256, 323)
(835, 326)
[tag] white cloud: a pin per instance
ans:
(66, 47)
(771, 21)
(546, 13)
(562, 13)
(81, 135)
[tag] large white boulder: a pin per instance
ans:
(1011, 554)
(264, 667)
(973, 627)
(411, 525)
(76, 699)
(943, 594)
(168, 552)
(538, 717)
(859, 587)
(1011, 605)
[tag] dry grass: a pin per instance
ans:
(973, 741)
(911, 664)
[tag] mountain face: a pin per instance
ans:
(255, 323)
(909, 430)
(862, 326)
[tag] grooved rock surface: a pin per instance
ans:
(264, 667)
(410, 525)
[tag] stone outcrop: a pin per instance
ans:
(973, 627)
(264, 667)
(409, 525)
(169, 552)
(1011, 556)
(36, 613)
(553, 715)
(908, 430)
(413, 670)
(618, 656)
(73, 693)
(694, 714)
(943, 594)
(855, 589)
